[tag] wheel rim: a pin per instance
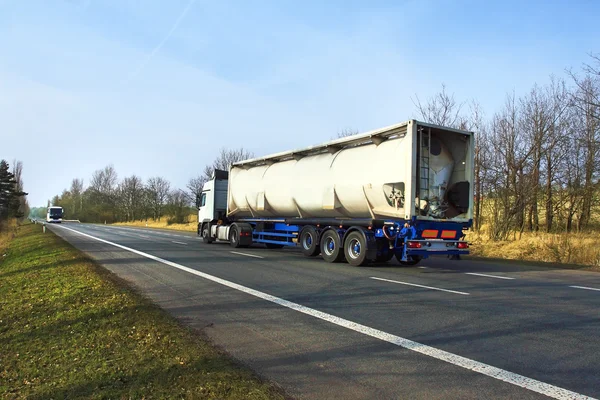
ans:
(307, 241)
(329, 246)
(354, 249)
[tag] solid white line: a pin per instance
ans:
(488, 276)
(585, 287)
(245, 254)
(175, 241)
(454, 359)
(421, 286)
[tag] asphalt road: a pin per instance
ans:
(440, 330)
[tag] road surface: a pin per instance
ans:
(443, 329)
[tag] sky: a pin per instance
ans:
(157, 87)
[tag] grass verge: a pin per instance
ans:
(71, 329)
(570, 250)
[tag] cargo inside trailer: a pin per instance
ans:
(443, 167)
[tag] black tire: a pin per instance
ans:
(234, 237)
(385, 257)
(273, 246)
(309, 241)
(206, 235)
(331, 247)
(355, 249)
(412, 260)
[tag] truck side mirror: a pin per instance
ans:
(198, 201)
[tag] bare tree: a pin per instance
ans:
(158, 190)
(178, 207)
(587, 97)
(585, 100)
(507, 171)
(347, 132)
(104, 181)
(195, 186)
(131, 191)
(224, 160)
(542, 121)
(481, 156)
(441, 109)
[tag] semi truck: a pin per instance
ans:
(403, 191)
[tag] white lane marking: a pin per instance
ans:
(421, 286)
(144, 236)
(175, 241)
(454, 359)
(488, 276)
(423, 267)
(245, 254)
(585, 287)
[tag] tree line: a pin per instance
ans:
(537, 159)
(108, 199)
(13, 200)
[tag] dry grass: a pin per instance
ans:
(574, 248)
(8, 230)
(191, 226)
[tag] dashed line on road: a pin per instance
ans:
(586, 288)
(524, 382)
(245, 254)
(421, 286)
(175, 241)
(488, 276)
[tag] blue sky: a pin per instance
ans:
(86, 83)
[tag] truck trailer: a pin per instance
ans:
(403, 191)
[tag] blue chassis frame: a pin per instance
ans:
(289, 232)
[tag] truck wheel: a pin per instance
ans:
(413, 260)
(206, 235)
(309, 241)
(273, 246)
(331, 247)
(234, 237)
(355, 249)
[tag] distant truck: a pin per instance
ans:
(402, 191)
(54, 214)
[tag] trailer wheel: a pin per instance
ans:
(234, 236)
(413, 260)
(331, 246)
(273, 246)
(355, 249)
(206, 235)
(309, 241)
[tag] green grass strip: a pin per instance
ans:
(71, 329)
